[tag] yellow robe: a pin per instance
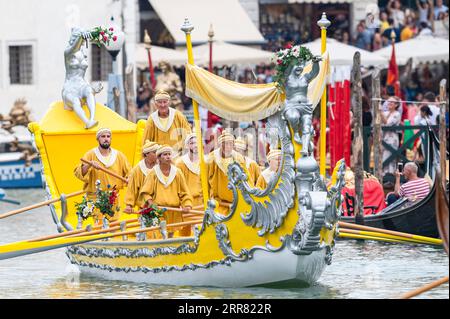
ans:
(264, 178)
(253, 171)
(218, 177)
(118, 163)
(172, 134)
(191, 172)
(171, 191)
(135, 182)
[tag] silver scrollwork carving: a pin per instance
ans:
(280, 190)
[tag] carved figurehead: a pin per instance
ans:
(298, 110)
(76, 90)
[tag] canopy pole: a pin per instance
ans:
(187, 28)
(323, 23)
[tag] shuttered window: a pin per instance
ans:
(101, 63)
(21, 64)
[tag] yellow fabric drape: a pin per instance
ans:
(245, 102)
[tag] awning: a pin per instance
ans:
(228, 54)
(342, 54)
(422, 49)
(230, 21)
(159, 54)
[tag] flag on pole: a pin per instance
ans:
(392, 75)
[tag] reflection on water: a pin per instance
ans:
(359, 270)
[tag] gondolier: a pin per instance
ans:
(240, 145)
(274, 158)
(166, 125)
(166, 186)
(106, 157)
(190, 167)
(138, 175)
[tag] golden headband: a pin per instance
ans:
(103, 130)
(150, 147)
(225, 137)
(162, 95)
(164, 149)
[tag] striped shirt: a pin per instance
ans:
(415, 190)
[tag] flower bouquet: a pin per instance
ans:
(151, 215)
(85, 208)
(106, 201)
(102, 36)
(284, 58)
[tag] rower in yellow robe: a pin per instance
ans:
(217, 165)
(190, 167)
(166, 186)
(102, 156)
(274, 159)
(166, 125)
(240, 145)
(138, 174)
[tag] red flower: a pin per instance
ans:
(279, 62)
(288, 46)
(102, 33)
(111, 29)
(105, 38)
(114, 38)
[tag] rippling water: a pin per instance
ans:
(359, 270)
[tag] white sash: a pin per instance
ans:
(158, 123)
(161, 176)
(144, 169)
(104, 160)
(193, 167)
(267, 174)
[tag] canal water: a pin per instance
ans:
(359, 270)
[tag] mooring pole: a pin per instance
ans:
(442, 130)
(377, 151)
(357, 145)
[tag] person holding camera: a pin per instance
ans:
(415, 188)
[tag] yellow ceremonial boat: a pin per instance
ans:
(284, 233)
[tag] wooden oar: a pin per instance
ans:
(47, 202)
(384, 236)
(424, 288)
(107, 171)
(430, 240)
(356, 236)
(80, 232)
(25, 247)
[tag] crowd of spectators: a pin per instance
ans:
(405, 23)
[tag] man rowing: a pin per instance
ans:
(166, 186)
(217, 165)
(240, 146)
(274, 159)
(138, 175)
(102, 156)
(166, 125)
(190, 167)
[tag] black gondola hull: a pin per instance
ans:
(417, 219)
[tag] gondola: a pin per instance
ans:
(418, 217)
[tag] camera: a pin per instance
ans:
(400, 167)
